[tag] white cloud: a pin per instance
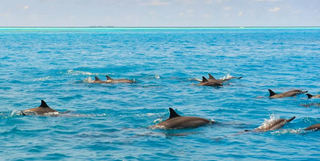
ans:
(26, 7)
(275, 9)
(240, 13)
(186, 2)
(226, 8)
(155, 3)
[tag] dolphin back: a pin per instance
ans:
(313, 127)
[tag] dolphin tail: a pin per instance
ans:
(108, 78)
(289, 120)
(271, 92)
(96, 78)
(309, 95)
(211, 77)
(204, 79)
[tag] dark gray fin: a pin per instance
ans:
(23, 114)
(271, 92)
(204, 79)
(289, 120)
(239, 77)
(96, 78)
(44, 104)
(109, 78)
(173, 113)
(211, 77)
(309, 95)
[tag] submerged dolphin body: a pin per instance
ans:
(285, 94)
(211, 78)
(119, 80)
(313, 96)
(276, 124)
(315, 127)
(205, 82)
(43, 109)
(110, 80)
(175, 121)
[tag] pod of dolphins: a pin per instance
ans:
(175, 121)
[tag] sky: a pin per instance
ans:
(159, 13)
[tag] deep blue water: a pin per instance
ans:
(110, 121)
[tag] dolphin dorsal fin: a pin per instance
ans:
(43, 104)
(173, 113)
(96, 78)
(271, 92)
(309, 95)
(211, 77)
(108, 78)
(204, 79)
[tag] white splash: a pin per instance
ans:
(226, 77)
(88, 80)
(51, 113)
(73, 72)
(266, 122)
(288, 131)
(157, 120)
(15, 112)
(195, 79)
(157, 76)
(42, 79)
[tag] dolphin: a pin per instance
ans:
(97, 80)
(205, 82)
(175, 121)
(119, 80)
(276, 124)
(313, 96)
(110, 80)
(43, 109)
(285, 94)
(315, 127)
(211, 78)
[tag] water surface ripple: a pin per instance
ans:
(110, 121)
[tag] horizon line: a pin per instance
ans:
(159, 26)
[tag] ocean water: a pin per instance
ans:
(111, 121)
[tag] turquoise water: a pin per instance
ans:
(110, 121)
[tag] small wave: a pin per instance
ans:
(73, 72)
(42, 79)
